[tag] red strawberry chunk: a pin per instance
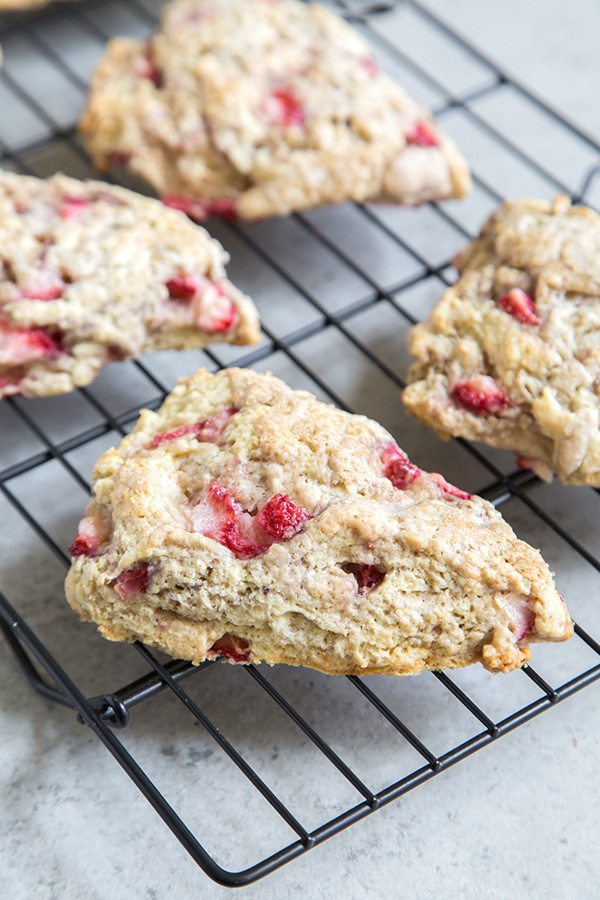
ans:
(213, 310)
(23, 345)
(524, 626)
(9, 386)
(281, 518)
(220, 517)
(422, 135)
(481, 394)
(220, 206)
(520, 306)
(284, 108)
(115, 354)
(369, 65)
(40, 293)
(73, 207)
(367, 576)
(200, 210)
(521, 616)
(212, 427)
(449, 489)
(134, 581)
(207, 431)
(46, 285)
(148, 68)
(117, 157)
(193, 208)
(183, 287)
(398, 467)
(82, 547)
(92, 535)
(192, 430)
(233, 648)
(532, 464)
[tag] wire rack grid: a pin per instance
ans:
(337, 290)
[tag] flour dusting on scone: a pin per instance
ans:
(511, 354)
(253, 522)
(91, 273)
(253, 108)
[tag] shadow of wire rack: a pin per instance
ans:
(379, 269)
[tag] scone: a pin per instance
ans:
(14, 5)
(250, 521)
(511, 354)
(91, 273)
(254, 108)
(10, 6)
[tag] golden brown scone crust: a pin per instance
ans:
(548, 369)
(454, 585)
(268, 107)
(85, 270)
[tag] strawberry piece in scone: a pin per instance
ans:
(232, 648)
(284, 108)
(509, 356)
(480, 394)
(25, 345)
(292, 532)
(297, 117)
(521, 306)
(93, 534)
(420, 134)
(133, 581)
(91, 273)
(398, 467)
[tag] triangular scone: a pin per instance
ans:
(511, 354)
(251, 521)
(91, 273)
(254, 108)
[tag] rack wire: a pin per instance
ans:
(373, 272)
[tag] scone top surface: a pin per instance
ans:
(248, 520)
(255, 108)
(511, 354)
(91, 273)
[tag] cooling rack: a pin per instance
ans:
(336, 289)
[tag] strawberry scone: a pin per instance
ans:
(253, 522)
(253, 108)
(16, 5)
(91, 273)
(511, 354)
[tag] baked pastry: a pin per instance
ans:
(14, 5)
(254, 108)
(511, 354)
(91, 273)
(250, 521)
(10, 6)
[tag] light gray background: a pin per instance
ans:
(552, 46)
(519, 819)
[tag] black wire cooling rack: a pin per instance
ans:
(378, 271)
